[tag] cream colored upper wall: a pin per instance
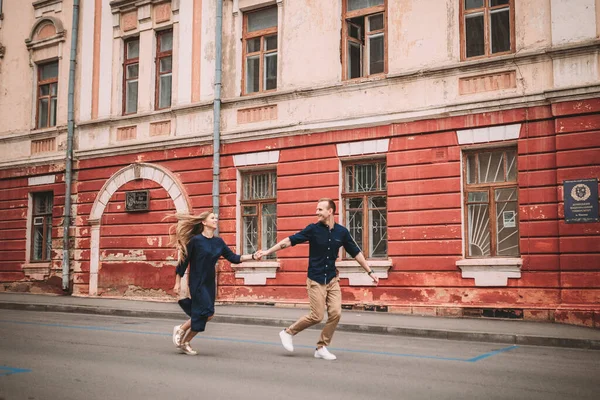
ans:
(421, 33)
(533, 25)
(573, 20)
(310, 48)
(207, 50)
(18, 77)
(16, 80)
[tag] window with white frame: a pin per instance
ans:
(365, 206)
(259, 211)
(41, 229)
(364, 37)
(260, 51)
(491, 206)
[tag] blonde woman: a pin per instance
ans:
(198, 246)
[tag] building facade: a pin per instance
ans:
(444, 130)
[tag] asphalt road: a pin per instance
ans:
(47, 356)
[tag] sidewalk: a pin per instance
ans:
(480, 330)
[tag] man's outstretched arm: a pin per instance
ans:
(279, 246)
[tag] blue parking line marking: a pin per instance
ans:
(258, 342)
(491, 353)
(4, 371)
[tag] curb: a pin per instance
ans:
(505, 338)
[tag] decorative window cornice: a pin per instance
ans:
(128, 5)
(44, 3)
(33, 42)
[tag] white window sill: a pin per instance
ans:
(490, 271)
(256, 272)
(37, 271)
(356, 275)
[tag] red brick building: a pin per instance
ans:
(447, 159)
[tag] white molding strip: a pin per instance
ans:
(489, 134)
(263, 157)
(42, 180)
(363, 147)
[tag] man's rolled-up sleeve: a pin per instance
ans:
(350, 245)
(302, 236)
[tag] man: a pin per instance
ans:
(325, 239)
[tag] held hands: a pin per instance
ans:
(259, 254)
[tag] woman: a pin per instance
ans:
(198, 246)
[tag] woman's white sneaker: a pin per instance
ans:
(324, 354)
(286, 340)
(187, 349)
(177, 335)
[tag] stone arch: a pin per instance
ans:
(152, 172)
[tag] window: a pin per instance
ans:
(41, 230)
(364, 39)
(260, 51)
(490, 192)
(47, 92)
(131, 68)
(365, 206)
(259, 211)
(487, 28)
(164, 68)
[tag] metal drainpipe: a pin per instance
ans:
(217, 108)
(217, 117)
(69, 155)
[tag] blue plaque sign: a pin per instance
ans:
(581, 200)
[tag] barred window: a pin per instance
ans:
(365, 206)
(491, 206)
(41, 230)
(259, 211)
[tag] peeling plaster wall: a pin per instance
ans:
(17, 273)
(135, 256)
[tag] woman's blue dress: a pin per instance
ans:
(202, 256)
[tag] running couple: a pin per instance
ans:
(199, 248)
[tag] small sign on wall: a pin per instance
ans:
(509, 219)
(581, 200)
(137, 200)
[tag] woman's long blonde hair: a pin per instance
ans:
(186, 227)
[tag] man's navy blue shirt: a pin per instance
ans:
(324, 245)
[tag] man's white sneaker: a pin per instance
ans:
(286, 340)
(187, 349)
(324, 354)
(177, 335)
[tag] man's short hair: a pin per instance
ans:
(330, 203)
